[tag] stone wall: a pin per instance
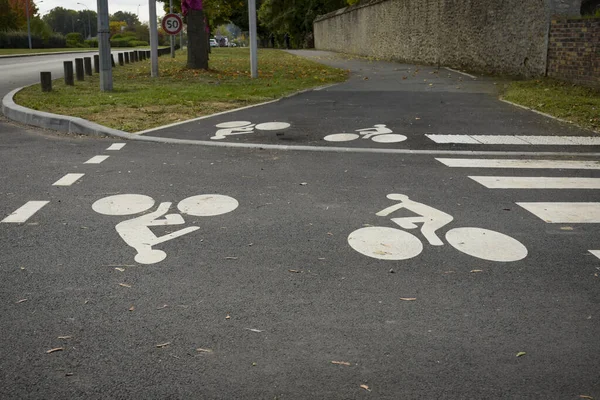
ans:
(574, 51)
(499, 36)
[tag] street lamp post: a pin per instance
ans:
(28, 23)
(89, 20)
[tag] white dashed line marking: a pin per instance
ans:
(96, 160)
(116, 146)
(25, 212)
(67, 180)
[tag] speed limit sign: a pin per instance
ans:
(172, 24)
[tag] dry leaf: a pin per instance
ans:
(21, 301)
(120, 269)
(381, 252)
(201, 350)
(584, 396)
(124, 285)
(365, 387)
(521, 353)
(330, 234)
(303, 184)
(321, 258)
(65, 337)
(163, 344)
(231, 258)
(341, 363)
(566, 228)
(54, 350)
(449, 272)
(131, 308)
(254, 330)
(163, 306)
(408, 298)
(296, 271)
(476, 270)
(228, 316)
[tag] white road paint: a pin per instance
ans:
(536, 182)
(233, 124)
(25, 212)
(385, 243)
(272, 126)
(502, 163)
(595, 252)
(67, 180)
(116, 146)
(486, 244)
(460, 72)
(559, 213)
(206, 205)
(123, 204)
(341, 137)
(391, 138)
(96, 160)
(517, 140)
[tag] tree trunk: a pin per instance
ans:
(197, 40)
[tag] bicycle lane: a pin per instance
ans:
(415, 107)
(271, 289)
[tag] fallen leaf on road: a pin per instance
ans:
(65, 337)
(584, 396)
(161, 307)
(321, 258)
(231, 258)
(566, 228)
(521, 353)
(381, 252)
(120, 269)
(303, 184)
(408, 298)
(124, 285)
(476, 270)
(341, 363)
(296, 271)
(163, 344)
(228, 316)
(131, 308)
(449, 272)
(21, 301)
(254, 330)
(405, 77)
(365, 387)
(201, 350)
(54, 350)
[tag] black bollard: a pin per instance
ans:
(96, 63)
(46, 81)
(121, 61)
(79, 69)
(132, 56)
(126, 54)
(68, 67)
(87, 65)
(112, 60)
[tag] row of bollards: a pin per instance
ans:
(83, 66)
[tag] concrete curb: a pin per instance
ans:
(47, 54)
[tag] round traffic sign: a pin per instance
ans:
(172, 24)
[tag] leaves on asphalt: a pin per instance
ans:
(163, 345)
(131, 308)
(21, 301)
(201, 350)
(476, 270)
(161, 307)
(231, 258)
(585, 396)
(521, 353)
(295, 271)
(254, 330)
(120, 269)
(365, 387)
(65, 337)
(408, 298)
(124, 285)
(54, 350)
(228, 316)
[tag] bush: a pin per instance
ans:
(120, 42)
(136, 43)
(74, 37)
(91, 43)
(19, 40)
(56, 40)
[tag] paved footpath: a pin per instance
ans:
(459, 266)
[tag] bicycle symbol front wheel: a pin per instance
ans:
(385, 243)
(486, 244)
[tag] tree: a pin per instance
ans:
(8, 17)
(129, 18)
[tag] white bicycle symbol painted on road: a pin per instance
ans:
(379, 133)
(245, 127)
(395, 244)
(136, 231)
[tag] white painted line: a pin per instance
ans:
(25, 212)
(498, 139)
(462, 139)
(500, 163)
(518, 139)
(535, 182)
(116, 146)
(562, 213)
(67, 180)
(595, 252)
(460, 72)
(96, 160)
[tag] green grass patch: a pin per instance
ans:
(140, 102)
(576, 104)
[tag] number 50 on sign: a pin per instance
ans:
(172, 24)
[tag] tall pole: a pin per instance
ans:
(28, 24)
(252, 22)
(106, 81)
(153, 39)
(172, 37)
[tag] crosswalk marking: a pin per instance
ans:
(517, 139)
(96, 160)
(116, 146)
(25, 212)
(67, 180)
(535, 182)
(503, 163)
(595, 252)
(559, 213)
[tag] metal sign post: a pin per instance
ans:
(252, 22)
(153, 39)
(106, 81)
(172, 38)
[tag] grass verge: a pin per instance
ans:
(140, 102)
(576, 104)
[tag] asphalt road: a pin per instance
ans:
(281, 285)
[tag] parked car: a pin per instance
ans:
(213, 43)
